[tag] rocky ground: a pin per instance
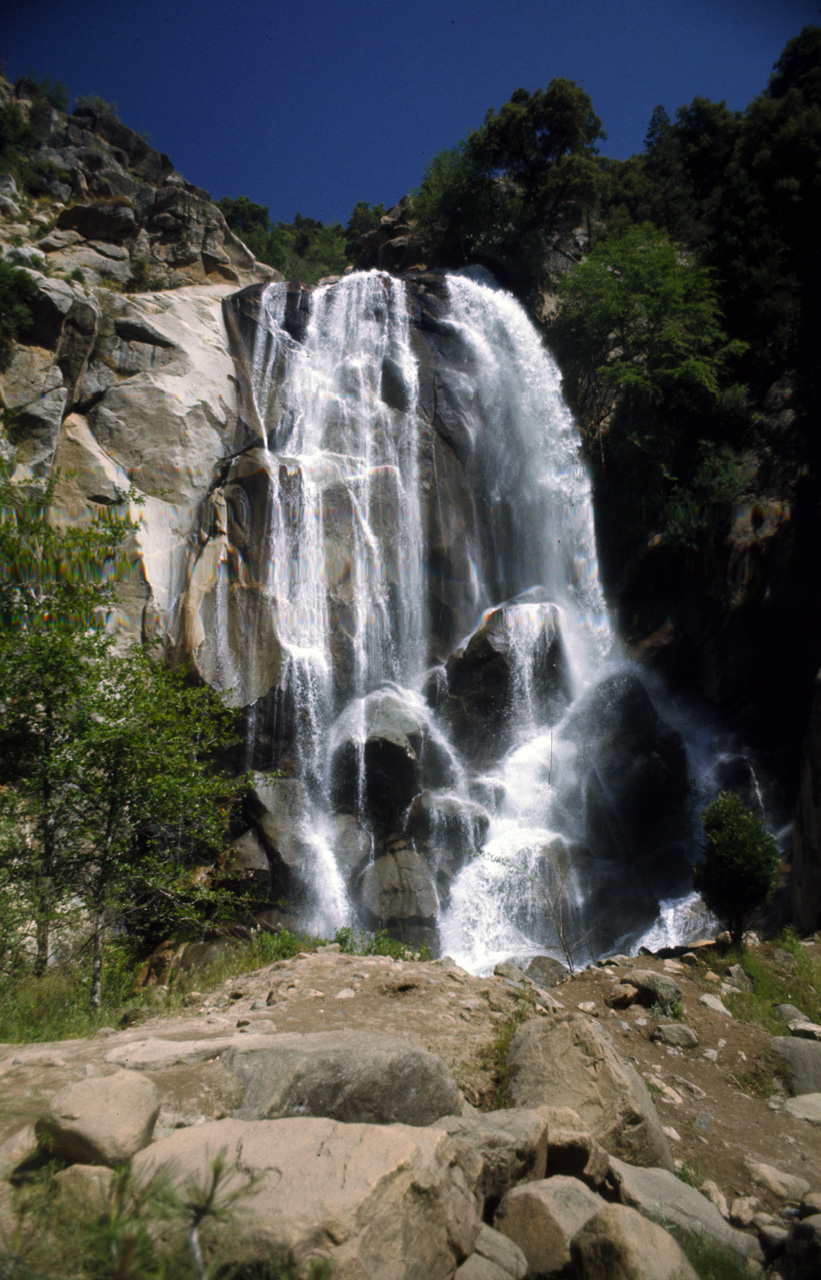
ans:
(718, 1130)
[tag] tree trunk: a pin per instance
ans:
(97, 961)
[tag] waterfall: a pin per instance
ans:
(411, 616)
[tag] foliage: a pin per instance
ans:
(692, 1174)
(503, 195)
(494, 1057)
(364, 218)
(303, 250)
(93, 102)
(54, 94)
(772, 985)
(20, 135)
(667, 1006)
(16, 291)
(379, 943)
(141, 280)
(149, 1230)
(710, 1260)
(739, 867)
(113, 760)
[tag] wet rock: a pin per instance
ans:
(384, 754)
(574, 1063)
(513, 664)
(453, 830)
(397, 886)
(358, 1077)
(632, 782)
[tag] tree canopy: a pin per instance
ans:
(738, 870)
(112, 788)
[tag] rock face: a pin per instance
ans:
(373, 1201)
(806, 860)
(350, 1076)
(103, 1121)
(632, 783)
(574, 1063)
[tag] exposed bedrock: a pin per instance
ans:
(631, 792)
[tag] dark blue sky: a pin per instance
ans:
(309, 106)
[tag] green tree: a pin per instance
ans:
(112, 795)
(17, 288)
(641, 324)
(738, 871)
(364, 218)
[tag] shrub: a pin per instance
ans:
(16, 290)
(738, 871)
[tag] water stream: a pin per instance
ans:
(427, 529)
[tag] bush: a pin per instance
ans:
(16, 290)
(738, 871)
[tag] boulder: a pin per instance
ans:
(574, 1063)
(617, 1243)
(494, 1258)
(513, 665)
(657, 1192)
(498, 1150)
(676, 1034)
(807, 1106)
(546, 972)
(654, 988)
(803, 1062)
(785, 1186)
(543, 1217)
(84, 1186)
(355, 1076)
(101, 1121)
(802, 1251)
(370, 1200)
(383, 753)
(282, 813)
(397, 886)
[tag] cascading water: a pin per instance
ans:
(465, 749)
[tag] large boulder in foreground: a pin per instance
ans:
(102, 1120)
(372, 1200)
(574, 1063)
(354, 1076)
(498, 1150)
(617, 1243)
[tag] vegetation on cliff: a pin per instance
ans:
(113, 808)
